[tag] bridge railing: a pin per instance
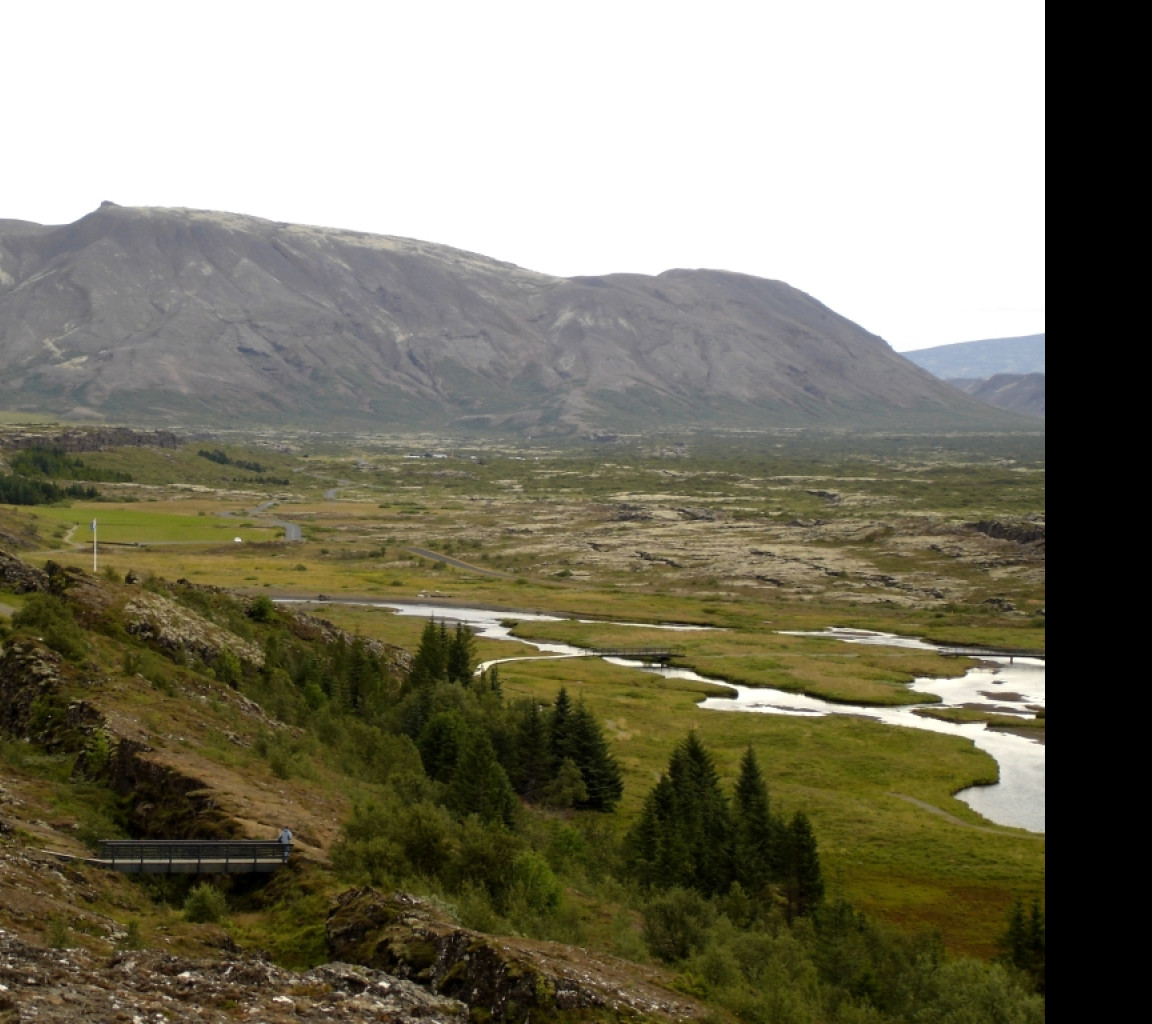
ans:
(193, 856)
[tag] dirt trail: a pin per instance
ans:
(959, 821)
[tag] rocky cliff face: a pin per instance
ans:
(162, 315)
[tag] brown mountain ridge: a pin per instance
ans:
(172, 316)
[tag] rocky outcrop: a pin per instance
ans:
(75, 986)
(310, 627)
(94, 440)
(162, 801)
(505, 979)
(19, 576)
(165, 803)
(1029, 532)
(30, 703)
(166, 624)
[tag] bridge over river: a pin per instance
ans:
(647, 655)
(984, 652)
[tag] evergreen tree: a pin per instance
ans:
(363, 675)
(803, 880)
(588, 749)
(1024, 941)
(530, 766)
(440, 742)
(567, 789)
(704, 816)
(756, 832)
(656, 846)
(430, 663)
(479, 784)
(559, 729)
(683, 836)
(461, 658)
(492, 680)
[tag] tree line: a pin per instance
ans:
(56, 464)
(22, 490)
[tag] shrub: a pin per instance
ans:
(205, 905)
(48, 617)
(676, 923)
(263, 609)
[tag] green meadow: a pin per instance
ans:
(134, 525)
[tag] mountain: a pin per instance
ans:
(171, 316)
(980, 360)
(1005, 372)
(1020, 392)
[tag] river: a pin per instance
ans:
(1007, 686)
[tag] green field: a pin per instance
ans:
(133, 525)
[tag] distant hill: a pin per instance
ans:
(1007, 373)
(164, 317)
(1020, 392)
(979, 360)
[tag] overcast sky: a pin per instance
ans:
(887, 157)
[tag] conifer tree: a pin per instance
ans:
(530, 766)
(460, 657)
(756, 840)
(439, 744)
(588, 749)
(492, 680)
(684, 833)
(704, 808)
(657, 848)
(430, 663)
(479, 784)
(804, 882)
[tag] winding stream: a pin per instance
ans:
(1009, 687)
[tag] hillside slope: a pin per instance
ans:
(982, 359)
(164, 316)
(1020, 392)
(139, 735)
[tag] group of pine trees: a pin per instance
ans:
(692, 836)
(22, 490)
(488, 751)
(1024, 941)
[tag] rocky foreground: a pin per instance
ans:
(438, 972)
(72, 986)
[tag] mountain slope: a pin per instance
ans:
(979, 360)
(1020, 392)
(181, 316)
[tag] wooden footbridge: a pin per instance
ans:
(1011, 653)
(193, 856)
(647, 655)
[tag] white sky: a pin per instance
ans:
(885, 156)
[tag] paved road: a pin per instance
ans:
(449, 560)
(292, 532)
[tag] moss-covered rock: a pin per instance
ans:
(500, 979)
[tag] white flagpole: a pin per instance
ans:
(93, 546)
